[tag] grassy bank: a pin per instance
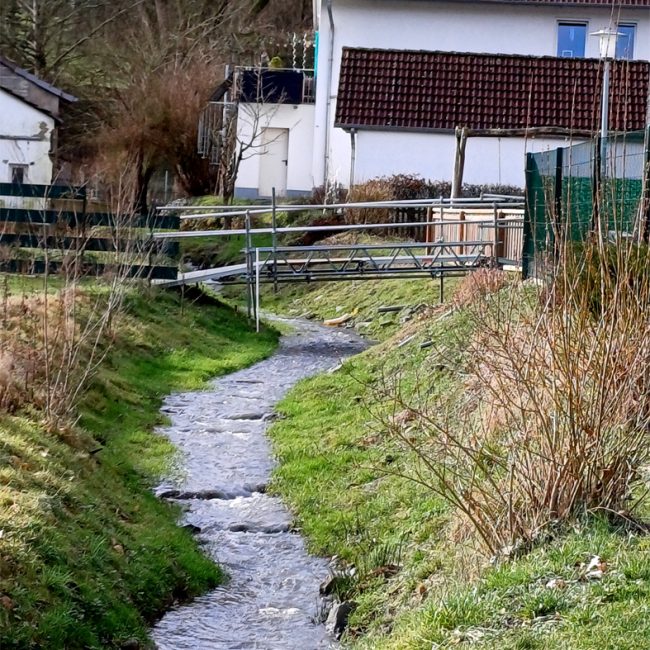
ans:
(418, 580)
(88, 557)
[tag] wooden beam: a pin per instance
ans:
(548, 131)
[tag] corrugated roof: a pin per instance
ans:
(404, 89)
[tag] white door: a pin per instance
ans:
(273, 161)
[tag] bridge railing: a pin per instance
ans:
(495, 218)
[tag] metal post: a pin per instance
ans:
(257, 290)
(495, 252)
(442, 287)
(645, 197)
(558, 230)
(249, 278)
(275, 240)
(604, 117)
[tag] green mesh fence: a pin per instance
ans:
(572, 190)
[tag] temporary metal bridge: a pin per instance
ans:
(460, 235)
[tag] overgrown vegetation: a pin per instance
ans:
(88, 556)
(510, 424)
(143, 71)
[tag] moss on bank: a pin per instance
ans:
(88, 556)
(418, 583)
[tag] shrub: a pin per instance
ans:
(554, 417)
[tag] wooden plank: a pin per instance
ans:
(104, 244)
(38, 267)
(27, 190)
(40, 217)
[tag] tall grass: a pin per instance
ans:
(52, 341)
(554, 421)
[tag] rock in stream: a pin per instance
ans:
(271, 601)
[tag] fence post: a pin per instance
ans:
(596, 176)
(275, 240)
(257, 290)
(461, 231)
(528, 240)
(249, 267)
(645, 197)
(495, 235)
(557, 192)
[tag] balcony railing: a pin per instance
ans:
(275, 86)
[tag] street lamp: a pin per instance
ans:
(607, 45)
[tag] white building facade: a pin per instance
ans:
(487, 26)
(25, 141)
(342, 150)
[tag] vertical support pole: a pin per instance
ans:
(442, 287)
(596, 184)
(257, 290)
(558, 230)
(495, 235)
(645, 197)
(249, 270)
(529, 239)
(459, 162)
(275, 240)
(462, 231)
(604, 116)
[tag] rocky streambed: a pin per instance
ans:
(271, 600)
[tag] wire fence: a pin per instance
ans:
(597, 186)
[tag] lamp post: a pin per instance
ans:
(607, 45)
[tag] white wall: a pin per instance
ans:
(447, 26)
(25, 139)
(299, 119)
(431, 156)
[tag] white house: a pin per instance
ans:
(557, 30)
(395, 78)
(30, 110)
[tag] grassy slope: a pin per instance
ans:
(87, 555)
(334, 474)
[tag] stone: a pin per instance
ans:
(192, 528)
(327, 586)
(337, 620)
(131, 644)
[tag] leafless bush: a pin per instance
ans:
(479, 284)
(53, 340)
(552, 418)
(378, 189)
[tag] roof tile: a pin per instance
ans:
(421, 90)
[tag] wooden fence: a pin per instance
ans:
(46, 228)
(502, 226)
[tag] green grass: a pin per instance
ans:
(209, 252)
(28, 284)
(88, 557)
(359, 299)
(341, 477)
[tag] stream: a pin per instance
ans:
(271, 600)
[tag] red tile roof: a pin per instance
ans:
(402, 89)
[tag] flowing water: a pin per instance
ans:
(271, 600)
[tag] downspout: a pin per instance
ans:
(328, 87)
(353, 155)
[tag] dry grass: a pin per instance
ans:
(554, 420)
(479, 284)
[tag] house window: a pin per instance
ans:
(18, 173)
(571, 39)
(625, 42)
